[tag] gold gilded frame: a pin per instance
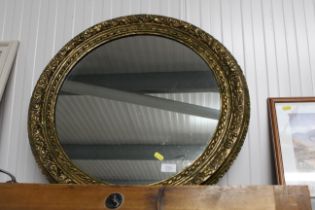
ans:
(235, 110)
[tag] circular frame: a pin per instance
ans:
(235, 110)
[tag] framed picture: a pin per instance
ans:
(7, 56)
(293, 131)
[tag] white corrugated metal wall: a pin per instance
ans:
(273, 41)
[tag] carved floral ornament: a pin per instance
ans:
(234, 117)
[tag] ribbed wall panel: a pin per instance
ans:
(271, 39)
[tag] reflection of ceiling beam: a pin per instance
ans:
(157, 82)
(143, 100)
(132, 151)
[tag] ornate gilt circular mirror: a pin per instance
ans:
(140, 99)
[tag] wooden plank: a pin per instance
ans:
(52, 197)
(289, 198)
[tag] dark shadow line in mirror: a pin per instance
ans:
(156, 82)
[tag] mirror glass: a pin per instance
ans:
(137, 110)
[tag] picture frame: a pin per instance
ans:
(292, 122)
(8, 51)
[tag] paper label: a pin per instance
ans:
(286, 108)
(168, 167)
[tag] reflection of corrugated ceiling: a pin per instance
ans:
(93, 120)
(89, 119)
(140, 54)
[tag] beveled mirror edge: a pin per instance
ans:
(235, 109)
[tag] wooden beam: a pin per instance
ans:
(74, 197)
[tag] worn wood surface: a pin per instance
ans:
(79, 197)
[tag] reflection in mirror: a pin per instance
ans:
(137, 110)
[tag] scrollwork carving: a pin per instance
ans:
(233, 122)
